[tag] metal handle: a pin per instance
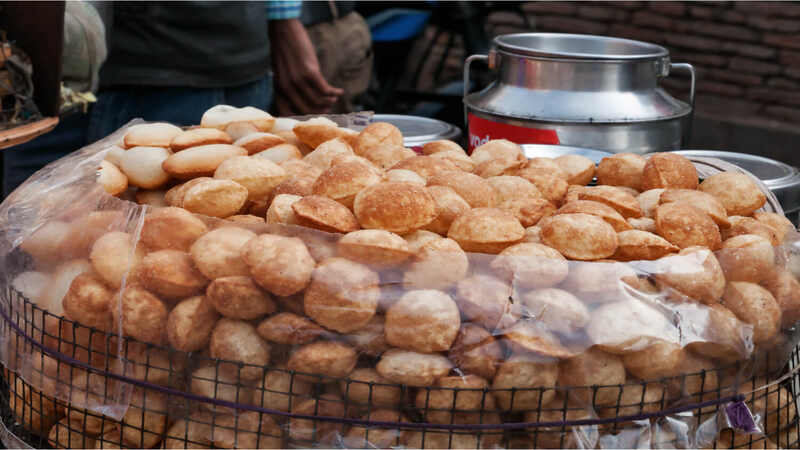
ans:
(467, 63)
(690, 68)
(688, 135)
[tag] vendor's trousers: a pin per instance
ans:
(117, 106)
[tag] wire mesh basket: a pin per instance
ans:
(180, 400)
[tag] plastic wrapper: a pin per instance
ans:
(146, 325)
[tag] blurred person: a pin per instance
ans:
(343, 45)
(83, 52)
(171, 61)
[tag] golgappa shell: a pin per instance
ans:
(669, 170)
(397, 207)
(579, 236)
(425, 321)
(736, 191)
(486, 230)
(343, 295)
(375, 248)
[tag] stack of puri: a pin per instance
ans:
(305, 267)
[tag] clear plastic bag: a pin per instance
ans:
(126, 324)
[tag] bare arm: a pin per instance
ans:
(301, 88)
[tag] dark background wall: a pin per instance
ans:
(747, 57)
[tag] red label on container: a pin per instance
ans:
(482, 131)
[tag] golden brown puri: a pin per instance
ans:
(151, 135)
(144, 316)
(111, 178)
(623, 202)
(449, 205)
(258, 142)
(485, 300)
(322, 156)
(701, 200)
(641, 245)
(598, 209)
(215, 198)
(426, 166)
(239, 297)
(579, 169)
(521, 372)
(259, 176)
(687, 226)
(343, 295)
(755, 305)
(218, 253)
(579, 236)
(472, 188)
(341, 182)
(476, 351)
(621, 169)
(497, 149)
(669, 170)
(747, 257)
(237, 341)
(316, 132)
(280, 210)
(199, 136)
(171, 228)
(322, 213)
(328, 360)
(171, 274)
(190, 323)
(374, 248)
(376, 135)
(694, 272)
(279, 264)
(486, 230)
(778, 222)
(737, 192)
(199, 161)
(426, 321)
(412, 368)
(220, 116)
(289, 328)
(748, 225)
(397, 207)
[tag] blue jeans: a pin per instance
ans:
(117, 106)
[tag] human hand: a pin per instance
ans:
(301, 88)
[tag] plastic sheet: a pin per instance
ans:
(132, 325)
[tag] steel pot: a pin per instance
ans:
(578, 90)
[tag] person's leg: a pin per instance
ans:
(22, 161)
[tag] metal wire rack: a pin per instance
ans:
(182, 400)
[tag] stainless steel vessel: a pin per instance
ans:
(579, 90)
(554, 151)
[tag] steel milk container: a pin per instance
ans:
(578, 90)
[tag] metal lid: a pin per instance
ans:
(419, 130)
(782, 179)
(554, 151)
(578, 46)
